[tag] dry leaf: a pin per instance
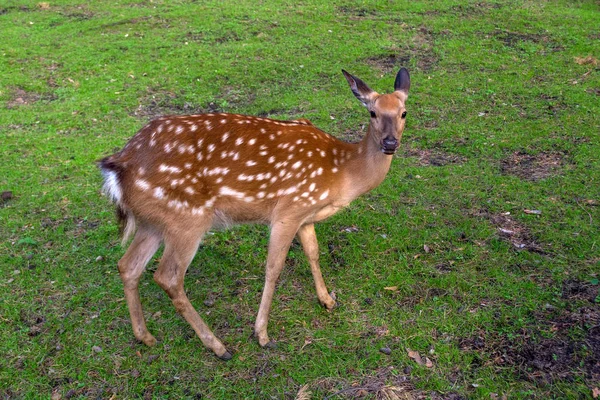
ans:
(536, 212)
(595, 392)
(391, 288)
(587, 60)
(426, 248)
(428, 362)
(415, 356)
(303, 393)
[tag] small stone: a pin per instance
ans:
(209, 302)
(7, 195)
(385, 350)
(99, 258)
(97, 349)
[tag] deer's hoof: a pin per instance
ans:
(225, 356)
(148, 340)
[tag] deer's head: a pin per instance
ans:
(388, 113)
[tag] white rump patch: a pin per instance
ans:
(112, 187)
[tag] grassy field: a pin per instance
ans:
(475, 265)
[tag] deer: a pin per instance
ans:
(180, 176)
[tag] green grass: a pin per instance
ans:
(503, 117)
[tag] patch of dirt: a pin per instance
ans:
(356, 12)
(384, 383)
(275, 112)
(157, 103)
(512, 231)
(435, 157)
(22, 97)
(516, 39)
(389, 63)
(6, 10)
(593, 91)
(561, 345)
(479, 8)
(418, 50)
(573, 289)
(532, 167)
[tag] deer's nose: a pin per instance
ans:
(390, 143)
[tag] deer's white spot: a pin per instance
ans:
(334, 170)
(189, 190)
(312, 186)
(159, 193)
(251, 141)
(197, 210)
(250, 163)
(211, 147)
(297, 165)
(193, 127)
(168, 147)
(223, 121)
(323, 154)
(169, 168)
(324, 195)
(224, 137)
(178, 130)
(227, 191)
(271, 160)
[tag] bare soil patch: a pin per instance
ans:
(561, 345)
(532, 167)
(419, 49)
(512, 231)
(22, 97)
(157, 102)
(384, 383)
(516, 39)
(434, 157)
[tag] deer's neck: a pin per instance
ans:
(366, 168)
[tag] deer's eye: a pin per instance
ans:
(373, 115)
(403, 115)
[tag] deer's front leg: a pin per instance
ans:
(308, 239)
(282, 233)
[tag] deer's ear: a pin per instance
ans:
(360, 89)
(402, 83)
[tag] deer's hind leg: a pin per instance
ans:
(131, 266)
(180, 247)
